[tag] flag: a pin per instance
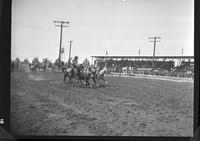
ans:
(139, 51)
(106, 52)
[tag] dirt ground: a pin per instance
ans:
(41, 104)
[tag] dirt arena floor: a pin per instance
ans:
(41, 104)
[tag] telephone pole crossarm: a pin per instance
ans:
(67, 22)
(62, 26)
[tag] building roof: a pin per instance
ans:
(144, 57)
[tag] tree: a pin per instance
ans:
(12, 65)
(35, 61)
(17, 62)
(86, 62)
(57, 62)
(26, 61)
(46, 62)
(50, 64)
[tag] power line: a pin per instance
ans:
(61, 25)
(154, 40)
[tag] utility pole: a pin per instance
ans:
(70, 43)
(61, 25)
(106, 59)
(139, 52)
(181, 60)
(154, 40)
(182, 51)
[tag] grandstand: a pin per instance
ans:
(167, 64)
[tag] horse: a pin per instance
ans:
(86, 75)
(71, 73)
(35, 67)
(67, 73)
(83, 76)
(125, 70)
(99, 75)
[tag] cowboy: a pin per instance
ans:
(93, 68)
(75, 63)
(87, 70)
(98, 68)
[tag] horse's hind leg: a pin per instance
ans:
(79, 80)
(95, 82)
(64, 77)
(70, 80)
(104, 80)
(88, 83)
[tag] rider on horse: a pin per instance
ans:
(75, 64)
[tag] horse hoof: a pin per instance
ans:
(97, 85)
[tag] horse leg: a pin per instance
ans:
(87, 82)
(95, 82)
(64, 77)
(79, 80)
(70, 79)
(104, 80)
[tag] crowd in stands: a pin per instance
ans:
(163, 68)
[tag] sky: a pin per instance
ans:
(122, 27)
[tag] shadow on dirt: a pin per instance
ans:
(93, 86)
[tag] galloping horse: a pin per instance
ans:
(84, 76)
(69, 72)
(99, 75)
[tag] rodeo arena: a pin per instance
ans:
(110, 96)
(106, 95)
